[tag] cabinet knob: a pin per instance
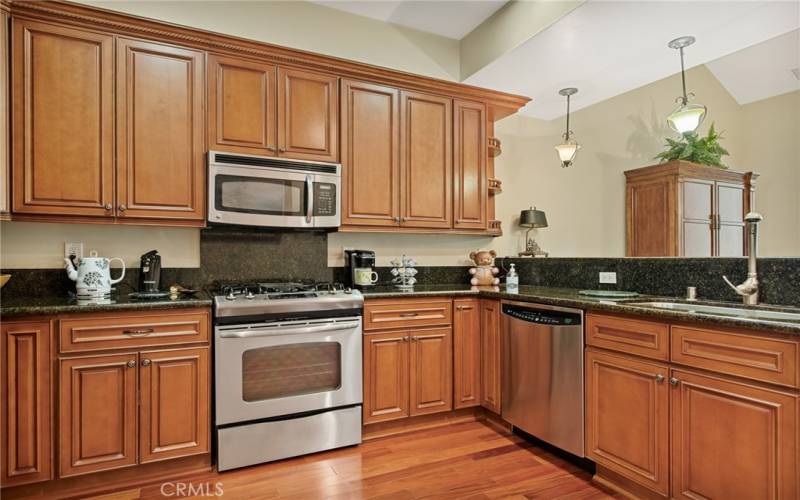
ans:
(131, 363)
(145, 362)
(405, 339)
(108, 206)
(397, 219)
(659, 378)
(673, 381)
(122, 208)
(271, 148)
(281, 150)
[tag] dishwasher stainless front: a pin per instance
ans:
(543, 372)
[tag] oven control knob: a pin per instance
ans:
(249, 295)
(230, 296)
(348, 290)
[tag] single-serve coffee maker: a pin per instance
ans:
(360, 268)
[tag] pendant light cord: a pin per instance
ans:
(683, 81)
(566, 135)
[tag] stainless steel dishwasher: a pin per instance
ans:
(543, 372)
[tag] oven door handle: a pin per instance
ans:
(275, 332)
(309, 198)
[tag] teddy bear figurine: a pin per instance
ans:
(484, 273)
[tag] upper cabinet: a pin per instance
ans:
(426, 159)
(687, 210)
(241, 106)
(470, 189)
(5, 127)
(308, 115)
(63, 120)
(160, 131)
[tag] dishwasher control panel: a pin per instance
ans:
(541, 316)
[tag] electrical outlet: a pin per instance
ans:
(75, 249)
(608, 278)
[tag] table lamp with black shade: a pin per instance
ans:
(532, 219)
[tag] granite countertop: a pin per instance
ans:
(45, 305)
(569, 297)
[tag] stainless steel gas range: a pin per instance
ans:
(287, 370)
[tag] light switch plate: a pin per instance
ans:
(75, 249)
(608, 278)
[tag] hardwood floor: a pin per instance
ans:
(466, 461)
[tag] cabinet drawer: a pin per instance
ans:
(643, 338)
(126, 330)
(772, 360)
(382, 314)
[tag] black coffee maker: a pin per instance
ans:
(360, 266)
(150, 272)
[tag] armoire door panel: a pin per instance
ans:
(649, 225)
(174, 403)
(97, 413)
(308, 120)
(470, 189)
(26, 435)
(730, 219)
(63, 120)
(697, 239)
(431, 369)
(160, 131)
(426, 148)
(370, 154)
(241, 106)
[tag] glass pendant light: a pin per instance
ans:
(686, 117)
(569, 148)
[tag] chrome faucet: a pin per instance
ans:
(749, 289)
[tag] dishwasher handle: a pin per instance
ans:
(543, 316)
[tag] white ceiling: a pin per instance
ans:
(606, 48)
(760, 71)
(450, 18)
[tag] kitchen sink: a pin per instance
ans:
(733, 312)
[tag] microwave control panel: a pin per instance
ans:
(324, 199)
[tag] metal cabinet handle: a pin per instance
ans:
(408, 315)
(122, 208)
(131, 363)
(405, 339)
(145, 362)
(282, 150)
(463, 308)
(659, 378)
(673, 381)
(108, 206)
(141, 331)
(271, 148)
(415, 338)
(397, 219)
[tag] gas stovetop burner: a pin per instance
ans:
(279, 290)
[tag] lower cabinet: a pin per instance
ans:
(431, 370)
(109, 404)
(26, 418)
(627, 428)
(490, 355)
(466, 353)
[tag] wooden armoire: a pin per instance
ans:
(683, 209)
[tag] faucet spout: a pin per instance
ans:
(749, 289)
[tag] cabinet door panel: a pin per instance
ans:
(650, 231)
(370, 154)
(241, 106)
(308, 119)
(97, 413)
(385, 376)
(730, 210)
(26, 435)
(5, 119)
(160, 131)
(431, 366)
(627, 412)
(490, 355)
(469, 165)
(698, 212)
(174, 406)
(467, 353)
(63, 120)
(426, 148)
(732, 440)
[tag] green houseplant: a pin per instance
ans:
(691, 147)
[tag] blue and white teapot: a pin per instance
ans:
(93, 275)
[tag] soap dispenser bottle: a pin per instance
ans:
(512, 280)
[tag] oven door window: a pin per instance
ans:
(291, 370)
(255, 195)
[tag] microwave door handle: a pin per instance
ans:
(277, 331)
(309, 198)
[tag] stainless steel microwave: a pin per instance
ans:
(273, 192)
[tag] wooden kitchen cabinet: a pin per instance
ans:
(174, 387)
(370, 154)
(97, 413)
(732, 439)
(470, 188)
(160, 131)
(466, 353)
(386, 376)
(689, 210)
(5, 113)
(426, 149)
(242, 100)
(25, 437)
(431, 371)
(490, 355)
(63, 120)
(627, 428)
(308, 115)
